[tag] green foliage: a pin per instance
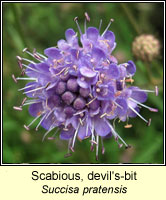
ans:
(41, 25)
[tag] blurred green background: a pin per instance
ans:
(41, 25)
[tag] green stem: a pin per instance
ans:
(130, 17)
(18, 24)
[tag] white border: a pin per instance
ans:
(2, 81)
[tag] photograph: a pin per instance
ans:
(83, 83)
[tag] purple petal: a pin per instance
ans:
(131, 113)
(60, 115)
(87, 72)
(63, 45)
(113, 71)
(101, 127)
(35, 109)
(98, 54)
(82, 83)
(122, 108)
(106, 92)
(92, 33)
(66, 135)
(84, 132)
(109, 35)
(138, 95)
(69, 34)
(53, 52)
(131, 68)
(49, 121)
(42, 67)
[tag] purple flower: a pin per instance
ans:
(78, 90)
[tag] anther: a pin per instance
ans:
(26, 127)
(17, 108)
(93, 142)
(67, 155)
(103, 150)
(129, 80)
(92, 148)
(36, 55)
(128, 126)
(128, 147)
(149, 122)
(156, 91)
(23, 101)
(76, 21)
(87, 17)
(91, 101)
(14, 78)
(50, 138)
(103, 115)
(120, 145)
(71, 148)
(24, 50)
(111, 20)
(19, 58)
(98, 90)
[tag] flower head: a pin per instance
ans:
(146, 47)
(80, 89)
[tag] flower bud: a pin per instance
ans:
(146, 47)
(79, 103)
(68, 97)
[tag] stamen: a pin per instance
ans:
(81, 121)
(27, 60)
(102, 148)
(34, 56)
(40, 122)
(60, 72)
(93, 142)
(26, 78)
(100, 25)
(149, 122)
(74, 138)
(50, 129)
(128, 126)
(23, 72)
(97, 147)
(17, 108)
(118, 105)
(115, 134)
(156, 91)
(14, 78)
(34, 90)
(23, 101)
(87, 18)
(19, 61)
(111, 20)
(27, 127)
(35, 70)
(41, 55)
(32, 102)
(130, 80)
(103, 115)
(138, 114)
(91, 101)
(149, 108)
(87, 130)
(76, 21)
